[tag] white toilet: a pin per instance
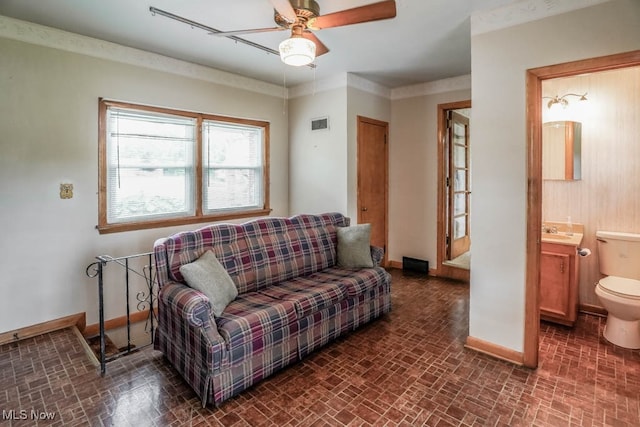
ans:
(619, 292)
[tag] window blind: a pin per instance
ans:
(233, 166)
(150, 165)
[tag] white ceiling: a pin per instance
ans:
(427, 41)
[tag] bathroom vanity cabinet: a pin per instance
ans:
(559, 283)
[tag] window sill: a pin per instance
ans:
(145, 225)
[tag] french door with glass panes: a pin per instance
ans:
(458, 180)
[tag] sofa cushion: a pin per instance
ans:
(355, 282)
(257, 253)
(227, 242)
(307, 294)
(208, 276)
(354, 246)
(283, 248)
(254, 321)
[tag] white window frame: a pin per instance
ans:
(197, 212)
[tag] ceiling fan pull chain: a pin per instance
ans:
(284, 91)
(314, 80)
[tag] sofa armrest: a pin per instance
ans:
(190, 325)
(186, 303)
(377, 254)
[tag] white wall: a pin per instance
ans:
(319, 185)
(323, 164)
(498, 211)
(49, 131)
(318, 159)
(372, 106)
(413, 182)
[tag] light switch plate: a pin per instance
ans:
(66, 191)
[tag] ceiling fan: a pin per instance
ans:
(302, 17)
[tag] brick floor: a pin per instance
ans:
(408, 368)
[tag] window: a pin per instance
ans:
(161, 167)
(233, 166)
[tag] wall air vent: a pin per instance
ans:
(321, 123)
(413, 264)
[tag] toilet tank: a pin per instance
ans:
(619, 254)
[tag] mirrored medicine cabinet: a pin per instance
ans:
(561, 150)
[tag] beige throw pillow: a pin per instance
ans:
(354, 246)
(208, 276)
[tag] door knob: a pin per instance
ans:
(365, 209)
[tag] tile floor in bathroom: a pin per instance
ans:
(408, 368)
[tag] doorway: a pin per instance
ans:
(454, 190)
(373, 172)
(535, 77)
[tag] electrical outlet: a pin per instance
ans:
(66, 191)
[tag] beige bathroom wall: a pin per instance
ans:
(607, 196)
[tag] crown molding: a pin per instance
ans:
(338, 81)
(41, 35)
(523, 12)
(357, 82)
(344, 80)
(432, 88)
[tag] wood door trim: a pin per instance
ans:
(385, 125)
(535, 76)
(442, 270)
(453, 249)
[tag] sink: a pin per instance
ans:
(562, 238)
(555, 236)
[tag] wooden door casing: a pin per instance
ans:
(458, 185)
(372, 160)
(443, 269)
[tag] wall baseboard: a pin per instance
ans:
(593, 309)
(395, 264)
(454, 273)
(77, 320)
(495, 350)
(117, 322)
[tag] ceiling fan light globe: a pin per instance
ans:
(297, 51)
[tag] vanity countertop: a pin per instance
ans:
(562, 239)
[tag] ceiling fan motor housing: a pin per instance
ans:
(306, 10)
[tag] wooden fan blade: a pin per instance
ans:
(285, 9)
(240, 32)
(321, 49)
(371, 12)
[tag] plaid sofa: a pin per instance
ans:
(292, 299)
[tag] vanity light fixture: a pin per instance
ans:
(561, 101)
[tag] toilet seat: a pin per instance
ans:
(621, 286)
